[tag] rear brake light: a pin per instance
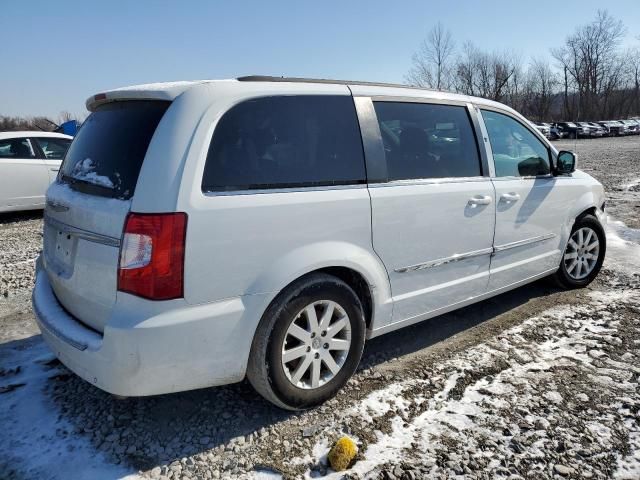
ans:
(152, 255)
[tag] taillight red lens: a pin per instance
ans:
(152, 255)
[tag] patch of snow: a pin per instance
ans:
(628, 186)
(623, 247)
(554, 397)
(380, 402)
(264, 475)
(85, 170)
(46, 446)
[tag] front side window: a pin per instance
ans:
(54, 148)
(427, 140)
(517, 152)
(286, 142)
(16, 148)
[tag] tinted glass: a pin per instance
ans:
(54, 148)
(293, 141)
(517, 152)
(106, 155)
(427, 140)
(16, 148)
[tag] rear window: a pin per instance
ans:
(106, 155)
(286, 142)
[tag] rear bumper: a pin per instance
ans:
(180, 349)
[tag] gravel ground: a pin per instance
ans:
(21, 241)
(615, 162)
(536, 383)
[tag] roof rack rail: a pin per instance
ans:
(267, 78)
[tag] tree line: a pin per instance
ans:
(46, 124)
(588, 77)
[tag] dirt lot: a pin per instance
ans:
(536, 383)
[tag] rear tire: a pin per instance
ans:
(583, 255)
(308, 343)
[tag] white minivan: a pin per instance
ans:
(202, 232)
(29, 162)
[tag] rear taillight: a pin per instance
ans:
(152, 255)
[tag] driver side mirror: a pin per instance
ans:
(566, 162)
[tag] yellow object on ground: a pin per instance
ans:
(342, 453)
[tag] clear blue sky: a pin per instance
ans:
(55, 53)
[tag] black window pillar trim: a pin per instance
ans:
(374, 156)
(474, 115)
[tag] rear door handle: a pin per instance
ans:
(510, 197)
(480, 200)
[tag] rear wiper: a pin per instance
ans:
(86, 183)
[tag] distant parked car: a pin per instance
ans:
(543, 128)
(633, 128)
(29, 162)
(572, 130)
(599, 130)
(614, 129)
(594, 131)
(556, 133)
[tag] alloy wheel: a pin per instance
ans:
(316, 344)
(582, 253)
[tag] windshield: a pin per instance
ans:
(106, 155)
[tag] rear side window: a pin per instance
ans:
(286, 142)
(106, 155)
(18, 148)
(427, 140)
(54, 148)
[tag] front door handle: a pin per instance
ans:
(480, 200)
(510, 197)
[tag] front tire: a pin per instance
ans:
(584, 254)
(308, 343)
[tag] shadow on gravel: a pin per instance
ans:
(425, 334)
(12, 217)
(150, 431)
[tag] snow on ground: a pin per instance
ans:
(47, 446)
(550, 384)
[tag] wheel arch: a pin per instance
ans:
(356, 266)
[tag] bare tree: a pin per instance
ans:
(593, 66)
(540, 90)
(65, 116)
(633, 72)
(432, 63)
(485, 74)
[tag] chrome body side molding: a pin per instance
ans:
(476, 253)
(520, 243)
(444, 261)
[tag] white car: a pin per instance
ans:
(29, 162)
(204, 232)
(543, 128)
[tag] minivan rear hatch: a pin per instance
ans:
(88, 204)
